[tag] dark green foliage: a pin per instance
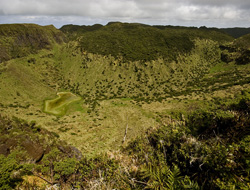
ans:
(89, 168)
(162, 177)
(238, 52)
(243, 105)
(236, 32)
(244, 58)
(243, 42)
(212, 149)
(133, 42)
(73, 31)
(143, 42)
(204, 124)
(65, 168)
(202, 32)
(79, 29)
(32, 60)
(72, 173)
(8, 166)
(57, 167)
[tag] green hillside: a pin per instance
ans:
(243, 41)
(236, 32)
(238, 51)
(147, 107)
(19, 40)
(143, 42)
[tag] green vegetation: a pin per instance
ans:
(19, 40)
(193, 153)
(243, 42)
(58, 105)
(23, 144)
(209, 148)
(72, 31)
(236, 32)
(7, 166)
(142, 42)
(138, 107)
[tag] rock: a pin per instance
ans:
(34, 150)
(71, 151)
(6, 145)
(4, 149)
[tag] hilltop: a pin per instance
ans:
(236, 32)
(125, 105)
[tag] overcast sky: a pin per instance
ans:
(210, 13)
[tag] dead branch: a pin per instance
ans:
(126, 130)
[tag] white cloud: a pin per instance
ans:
(178, 12)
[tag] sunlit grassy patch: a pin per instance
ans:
(58, 106)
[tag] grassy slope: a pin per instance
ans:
(98, 127)
(23, 94)
(18, 40)
(116, 93)
(111, 78)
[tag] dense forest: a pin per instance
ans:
(124, 106)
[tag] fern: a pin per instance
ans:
(188, 184)
(161, 177)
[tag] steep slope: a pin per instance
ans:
(236, 32)
(143, 42)
(18, 40)
(31, 138)
(98, 77)
(238, 51)
(24, 145)
(139, 61)
(243, 42)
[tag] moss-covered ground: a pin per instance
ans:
(58, 106)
